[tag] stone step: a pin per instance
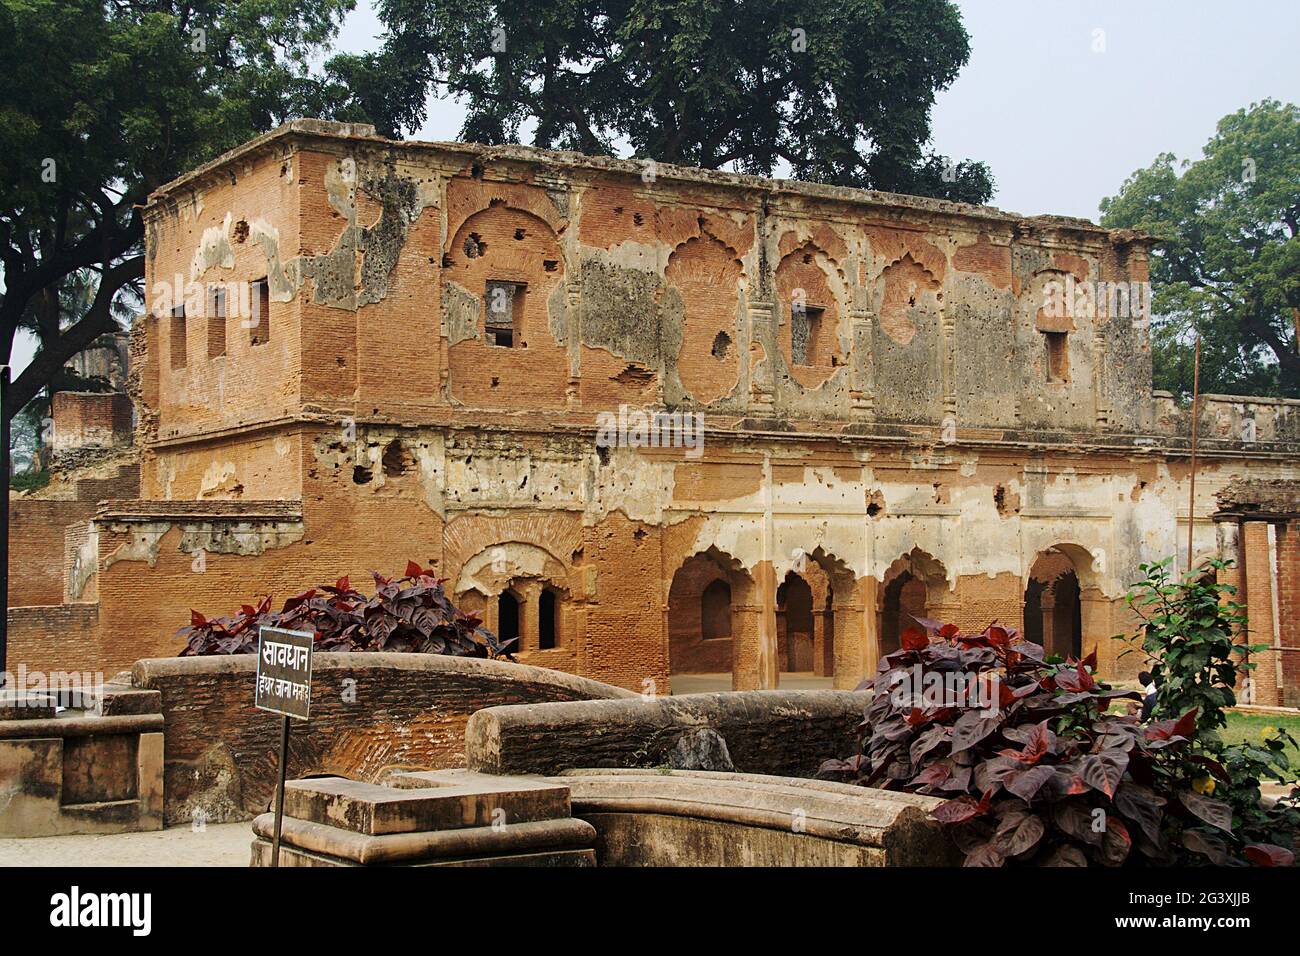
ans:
(465, 844)
(435, 800)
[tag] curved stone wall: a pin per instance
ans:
(786, 733)
(677, 818)
(370, 714)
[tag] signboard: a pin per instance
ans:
(284, 671)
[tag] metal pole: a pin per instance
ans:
(1191, 500)
(279, 791)
(4, 527)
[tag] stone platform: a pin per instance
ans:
(431, 818)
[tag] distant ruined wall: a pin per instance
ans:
(85, 420)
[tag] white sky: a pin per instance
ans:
(1060, 124)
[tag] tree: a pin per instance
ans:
(100, 104)
(1229, 264)
(840, 90)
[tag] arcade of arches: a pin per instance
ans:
(704, 615)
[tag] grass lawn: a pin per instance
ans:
(1247, 728)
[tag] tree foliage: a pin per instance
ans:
(1229, 264)
(840, 90)
(1193, 635)
(100, 104)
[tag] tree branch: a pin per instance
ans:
(97, 320)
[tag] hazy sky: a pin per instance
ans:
(1060, 125)
(1061, 112)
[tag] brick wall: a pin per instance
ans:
(57, 637)
(36, 547)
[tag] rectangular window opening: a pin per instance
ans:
(504, 308)
(1058, 356)
(216, 309)
(176, 337)
(259, 319)
(805, 332)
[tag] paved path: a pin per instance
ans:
(222, 844)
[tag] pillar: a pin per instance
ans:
(530, 593)
(850, 656)
(745, 640)
(767, 646)
(1096, 630)
(1261, 574)
(869, 588)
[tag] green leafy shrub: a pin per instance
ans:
(29, 480)
(411, 613)
(1192, 635)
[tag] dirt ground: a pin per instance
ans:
(224, 844)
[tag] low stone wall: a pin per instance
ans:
(697, 818)
(371, 714)
(786, 733)
(77, 772)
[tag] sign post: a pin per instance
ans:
(284, 688)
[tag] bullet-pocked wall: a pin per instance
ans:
(466, 349)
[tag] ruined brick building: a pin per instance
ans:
(401, 350)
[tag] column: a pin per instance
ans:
(849, 655)
(530, 593)
(762, 382)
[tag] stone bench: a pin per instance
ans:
(600, 817)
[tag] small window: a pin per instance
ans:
(216, 309)
(509, 621)
(548, 620)
(176, 337)
(805, 331)
(1058, 356)
(259, 321)
(721, 346)
(504, 304)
